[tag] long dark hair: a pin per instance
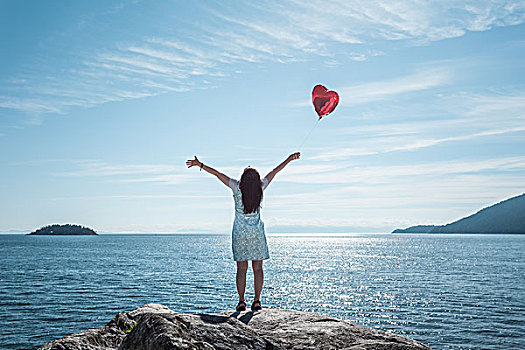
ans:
(251, 190)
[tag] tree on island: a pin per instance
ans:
(61, 230)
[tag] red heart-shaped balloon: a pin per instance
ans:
(324, 100)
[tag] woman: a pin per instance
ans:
(248, 238)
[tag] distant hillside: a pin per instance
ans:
(416, 229)
(507, 216)
(61, 230)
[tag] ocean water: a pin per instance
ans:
(448, 291)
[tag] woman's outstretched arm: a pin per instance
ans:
(196, 162)
(281, 166)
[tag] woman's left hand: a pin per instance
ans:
(193, 162)
(294, 156)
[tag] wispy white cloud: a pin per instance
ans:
(488, 105)
(29, 106)
(399, 203)
(396, 143)
(94, 168)
(305, 24)
(141, 63)
(39, 162)
(166, 179)
(455, 118)
(373, 174)
(168, 174)
(316, 173)
(137, 196)
(420, 80)
(411, 196)
(289, 31)
(165, 228)
(422, 143)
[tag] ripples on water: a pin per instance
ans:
(448, 291)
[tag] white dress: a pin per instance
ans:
(248, 238)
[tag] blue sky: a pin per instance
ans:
(101, 103)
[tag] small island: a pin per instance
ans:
(63, 230)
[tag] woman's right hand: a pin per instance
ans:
(193, 162)
(294, 156)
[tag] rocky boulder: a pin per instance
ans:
(154, 326)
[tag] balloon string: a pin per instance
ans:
(304, 140)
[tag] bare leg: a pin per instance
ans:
(258, 278)
(242, 267)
